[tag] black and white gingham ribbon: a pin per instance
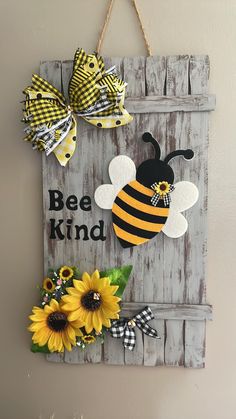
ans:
(156, 197)
(126, 328)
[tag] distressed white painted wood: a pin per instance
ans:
(174, 250)
(156, 104)
(169, 98)
(194, 312)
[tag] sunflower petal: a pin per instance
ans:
(51, 343)
(74, 315)
(34, 327)
(88, 323)
(70, 332)
(41, 337)
(54, 305)
(95, 275)
(57, 342)
(97, 323)
(66, 341)
(80, 286)
(87, 280)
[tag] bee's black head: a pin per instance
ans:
(156, 170)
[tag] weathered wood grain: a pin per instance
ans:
(156, 104)
(169, 311)
(195, 345)
(199, 69)
(174, 265)
(153, 282)
(169, 95)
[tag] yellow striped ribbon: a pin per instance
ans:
(94, 94)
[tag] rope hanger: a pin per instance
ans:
(107, 19)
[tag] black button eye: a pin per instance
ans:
(91, 65)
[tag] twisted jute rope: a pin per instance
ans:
(107, 19)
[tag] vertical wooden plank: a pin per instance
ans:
(76, 356)
(51, 71)
(174, 349)
(197, 232)
(134, 69)
(195, 344)
(153, 283)
(93, 353)
(113, 351)
(174, 273)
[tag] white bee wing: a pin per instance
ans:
(121, 170)
(176, 225)
(104, 196)
(184, 196)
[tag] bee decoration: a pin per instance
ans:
(145, 201)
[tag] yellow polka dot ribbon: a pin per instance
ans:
(95, 94)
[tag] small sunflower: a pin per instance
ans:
(162, 188)
(52, 326)
(92, 301)
(66, 273)
(88, 339)
(48, 285)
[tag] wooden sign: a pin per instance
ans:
(168, 97)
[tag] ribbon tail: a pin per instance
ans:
(129, 338)
(117, 329)
(148, 330)
(65, 150)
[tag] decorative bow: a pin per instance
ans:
(125, 327)
(94, 94)
(162, 191)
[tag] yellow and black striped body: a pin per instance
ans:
(135, 219)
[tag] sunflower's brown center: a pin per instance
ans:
(49, 285)
(66, 273)
(91, 300)
(88, 338)
(57, 321)
(162, 187)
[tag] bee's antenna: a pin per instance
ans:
(148, 138)
(187, 154)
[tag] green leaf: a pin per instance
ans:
(118, 276)
(36, 348)
(77, 273)
(51, 272)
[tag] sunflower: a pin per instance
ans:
(92, 301)
(66, 273)
(48, 285)
(52, 326)
(162, 188)
(88, 339)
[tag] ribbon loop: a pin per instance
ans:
(95, 95)
(126, 328)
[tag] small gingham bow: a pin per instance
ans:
(126, 328)
(158, 194)
(94, 94)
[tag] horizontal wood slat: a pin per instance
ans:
(170, 311)
(156, 104)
